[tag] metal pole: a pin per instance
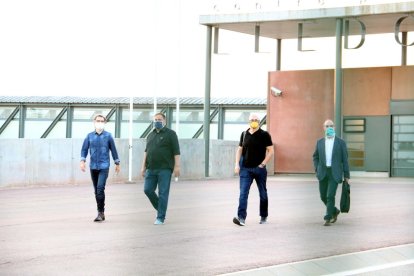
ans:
(206, 124)
(131, 110)
(216, 39)
(256, 38)
(177, 113)
(278, 54)
(338, 78)
(404, 49)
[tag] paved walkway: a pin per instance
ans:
(49, 230)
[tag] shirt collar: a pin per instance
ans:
(161, 130)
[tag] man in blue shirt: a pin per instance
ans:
(99, 143)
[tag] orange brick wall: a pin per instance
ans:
(366, 91)
(295, 119)
(403, 83)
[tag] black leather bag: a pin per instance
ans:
(345, 197)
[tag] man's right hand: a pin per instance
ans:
(237, 169)
(82, 166)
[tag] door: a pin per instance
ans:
(403, 146)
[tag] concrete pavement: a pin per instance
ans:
(49, 230)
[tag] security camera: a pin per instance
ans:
(276, 91)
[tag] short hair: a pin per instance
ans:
(161, 114)
(99, 115)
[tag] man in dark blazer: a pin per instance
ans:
(330, 161)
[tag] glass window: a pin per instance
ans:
(87, 114)
(233, 131)
(141, 115)
(47, 113)
(141, 120)
(39, 119)
(12, 129)
(403, 146)
(355, 139)
(187, 130)
(354, 125)
(83, 121)
(137, 129)
(236, 121)
(189, 115)
(232, 115)
(6, 111)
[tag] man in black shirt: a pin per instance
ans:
(254, 151)
(161, 159)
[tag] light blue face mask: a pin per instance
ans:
(157, 124)
(330, 132)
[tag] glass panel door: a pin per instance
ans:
(403, 145)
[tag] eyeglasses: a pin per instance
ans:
(99, 121)
(254, 120)
(329, 125)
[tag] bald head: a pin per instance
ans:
(328, 123)
(254, 117)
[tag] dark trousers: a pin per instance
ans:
(247, 175)
(99, 181)
(327, 190)
(162, 179)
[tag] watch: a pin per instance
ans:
(262, 165)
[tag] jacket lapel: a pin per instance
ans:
(322, 141)
(335, 148)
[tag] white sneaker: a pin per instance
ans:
(158, 222)
(239, 221)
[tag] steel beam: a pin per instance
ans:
(207, 95)
(338, 78)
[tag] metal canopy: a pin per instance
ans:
(319, 22)
(283, 24)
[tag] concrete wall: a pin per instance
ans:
(37, 162)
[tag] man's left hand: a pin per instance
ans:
(176, 171)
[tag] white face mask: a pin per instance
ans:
(99, 126)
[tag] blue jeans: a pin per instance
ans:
(99, 181)
(247, 175)
(162, 178)
(327, 190)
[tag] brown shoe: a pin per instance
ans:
(100, 217)
(327, 223)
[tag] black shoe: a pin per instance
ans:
(327, 223)
(100, 217)
(335, 217)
